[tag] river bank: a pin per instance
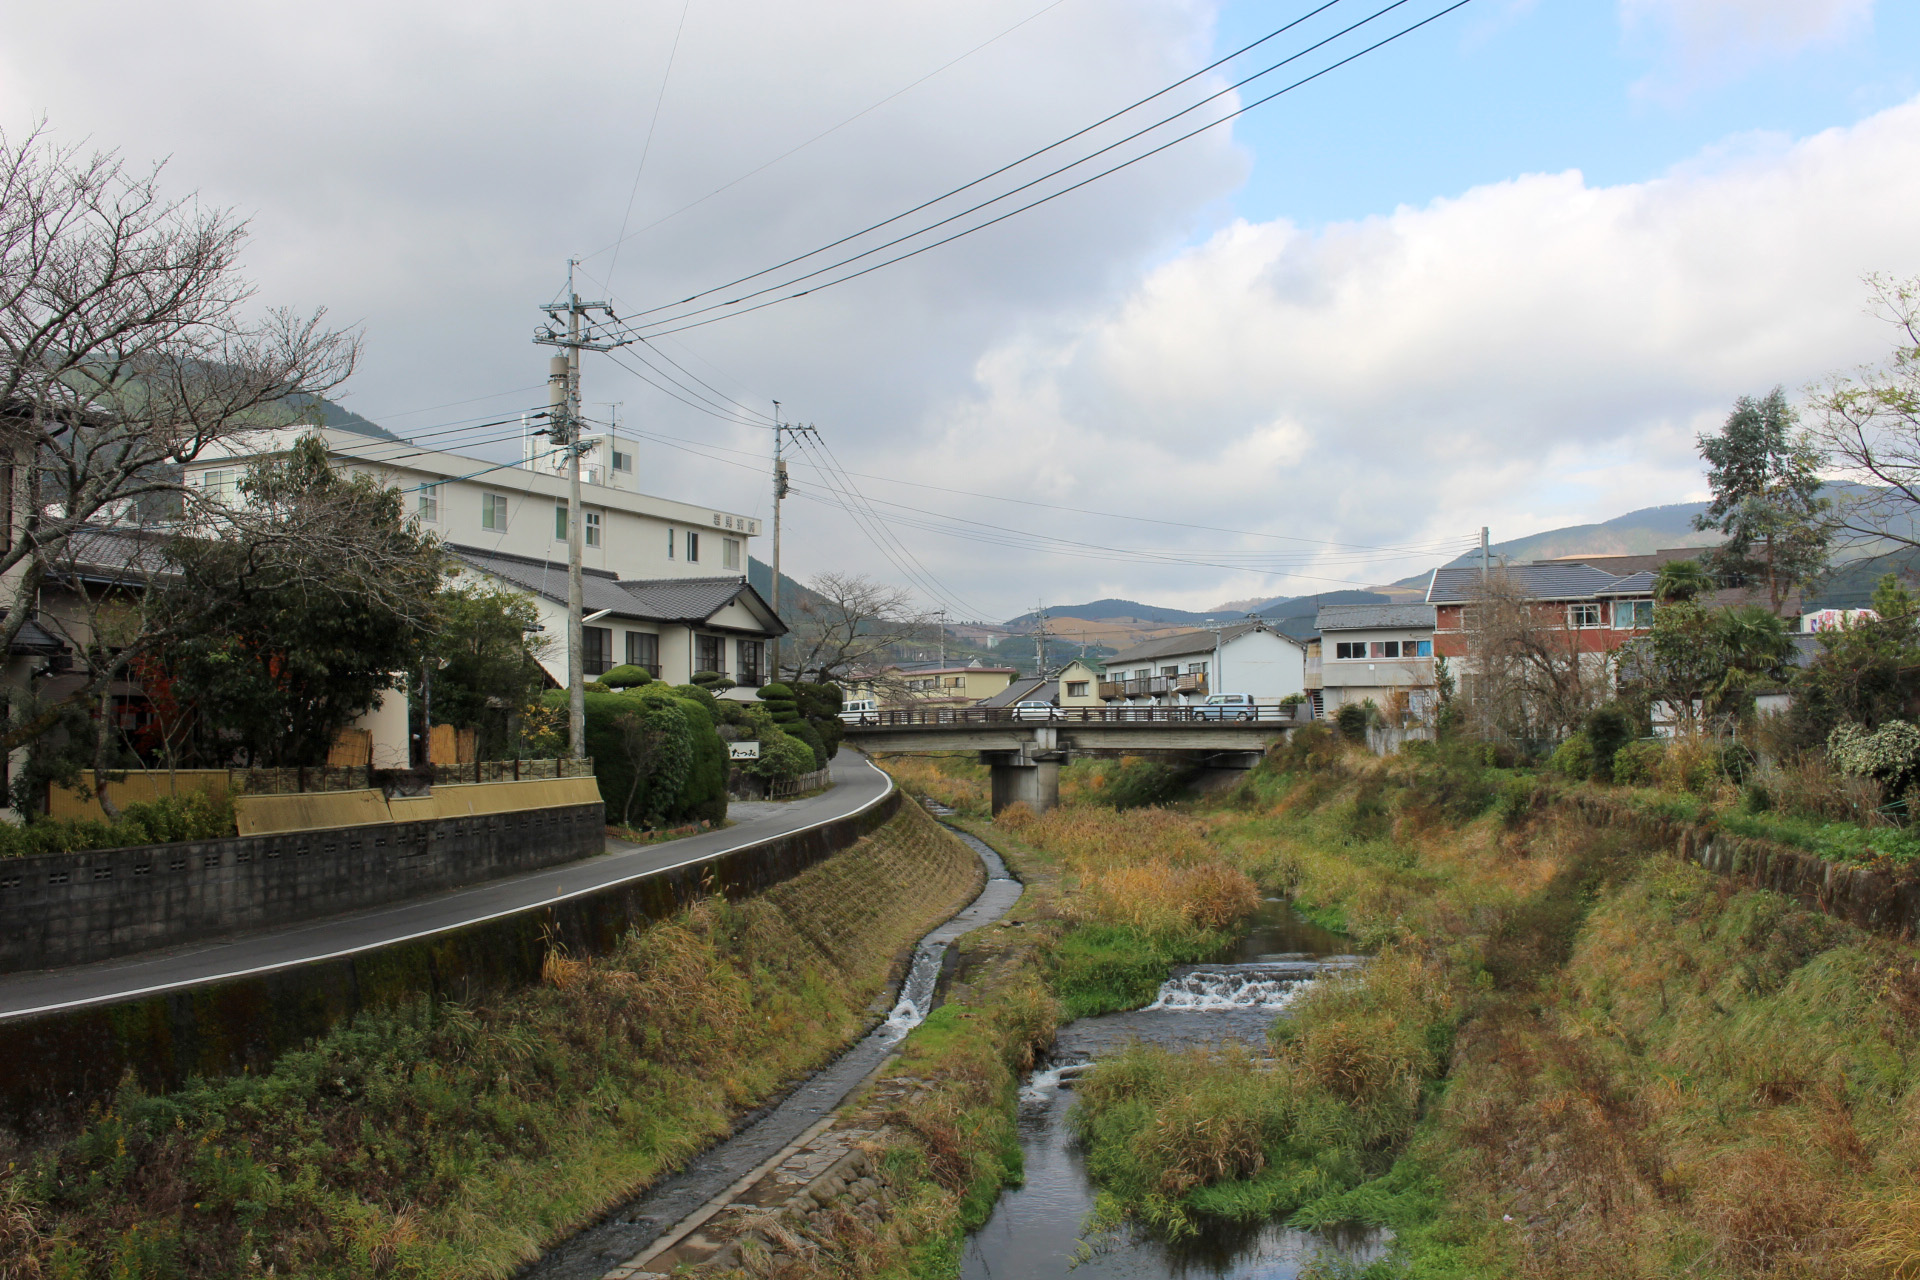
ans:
(1576, 1052)
(444, 1139)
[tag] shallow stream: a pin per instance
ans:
(1035, 1230)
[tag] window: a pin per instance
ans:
(669, 544)
(430, 502)
(953, 682)
(1350, 649)
(710, 652)
(560, 521)
(1076, 688)
(593, 528)
(1196, 668)
(596, 650)
(1632, 615)
(222, 484)
(493, 511)
(693, 546)
(622, 461)
(1583, 615)
(643, 650)
(730, 554)
(1170, 671)
(919, 686)
(1420, 648)
(1386, 648)
(753, 663)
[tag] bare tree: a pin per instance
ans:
(1530, 680)
(128, 347)
(1870, 427)
(849, 627)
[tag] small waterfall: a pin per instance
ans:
(916, 993)
(1233, 986)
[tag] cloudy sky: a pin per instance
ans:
(1498, 272)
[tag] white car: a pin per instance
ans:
(1227, 706)
(860, 711)
(1033, 710)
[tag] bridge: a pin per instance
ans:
(1024, 747)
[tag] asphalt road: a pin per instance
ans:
(856, 784)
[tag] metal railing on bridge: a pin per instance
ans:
(977, 717)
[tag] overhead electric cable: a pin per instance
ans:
(987, 177)
(823, 133)
(646, 148)
(675, 327)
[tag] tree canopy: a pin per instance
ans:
(1764, 474)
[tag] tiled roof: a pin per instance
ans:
(1634, 584)
(1185, 642)
(34, 638)
(1030, 689)
(1368, 617)
(689, 600)
(1537, 581)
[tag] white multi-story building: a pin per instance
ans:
(668, 578)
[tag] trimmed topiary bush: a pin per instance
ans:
(627, 676)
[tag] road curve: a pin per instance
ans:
(857, 784)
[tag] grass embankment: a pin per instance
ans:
(456, 1140)
(1111, 900)
(1572, 1057)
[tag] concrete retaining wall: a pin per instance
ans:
(74, 908)
(54, 1066)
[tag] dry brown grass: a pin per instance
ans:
(959, 782)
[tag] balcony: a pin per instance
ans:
(1154, 687)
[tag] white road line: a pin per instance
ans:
(445, 928)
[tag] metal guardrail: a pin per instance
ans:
(978, 717)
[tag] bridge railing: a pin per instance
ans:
(977, 717)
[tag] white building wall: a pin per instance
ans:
(1263, 663)
(640, 536)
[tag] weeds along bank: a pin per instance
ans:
(456, 1140)
(1575, 1054)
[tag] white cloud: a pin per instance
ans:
(1708, 40)
(1533, 353)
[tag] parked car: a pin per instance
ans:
(860, 711)
(1227, 706)
(1034, 710)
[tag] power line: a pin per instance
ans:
(675, 327)
(986, 177)
(646, 148)
(624, 237)
(1415, 549)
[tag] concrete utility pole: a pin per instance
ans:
(779, 493)
(563, 396)
(1040, 643)
(1485, 559)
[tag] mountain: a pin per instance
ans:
(1111, 610)
(1635, 533)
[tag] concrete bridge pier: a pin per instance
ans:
(1030, 775)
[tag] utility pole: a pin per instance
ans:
(1485, 559)
(779, 493)
(563, 398)
(1040, 643)
(940, 621)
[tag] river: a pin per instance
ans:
(1034, 1232)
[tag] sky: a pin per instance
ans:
(1499, 271)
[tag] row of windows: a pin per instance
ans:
(643, 650)
(1147, 673)
(1383, 649)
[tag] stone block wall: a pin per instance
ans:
(74, 908)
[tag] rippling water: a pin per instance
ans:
(1035, 1230)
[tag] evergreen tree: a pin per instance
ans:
(1764, 473)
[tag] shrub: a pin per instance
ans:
(782, 756)
(1136, 784)
(712, 681)
(1574, 758)
(1634, 765)
(1306, 747)
(1691, 765)
(1607, 729)
(198, 815)
(626, 676)
(1352, 722)
(1890, 755)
